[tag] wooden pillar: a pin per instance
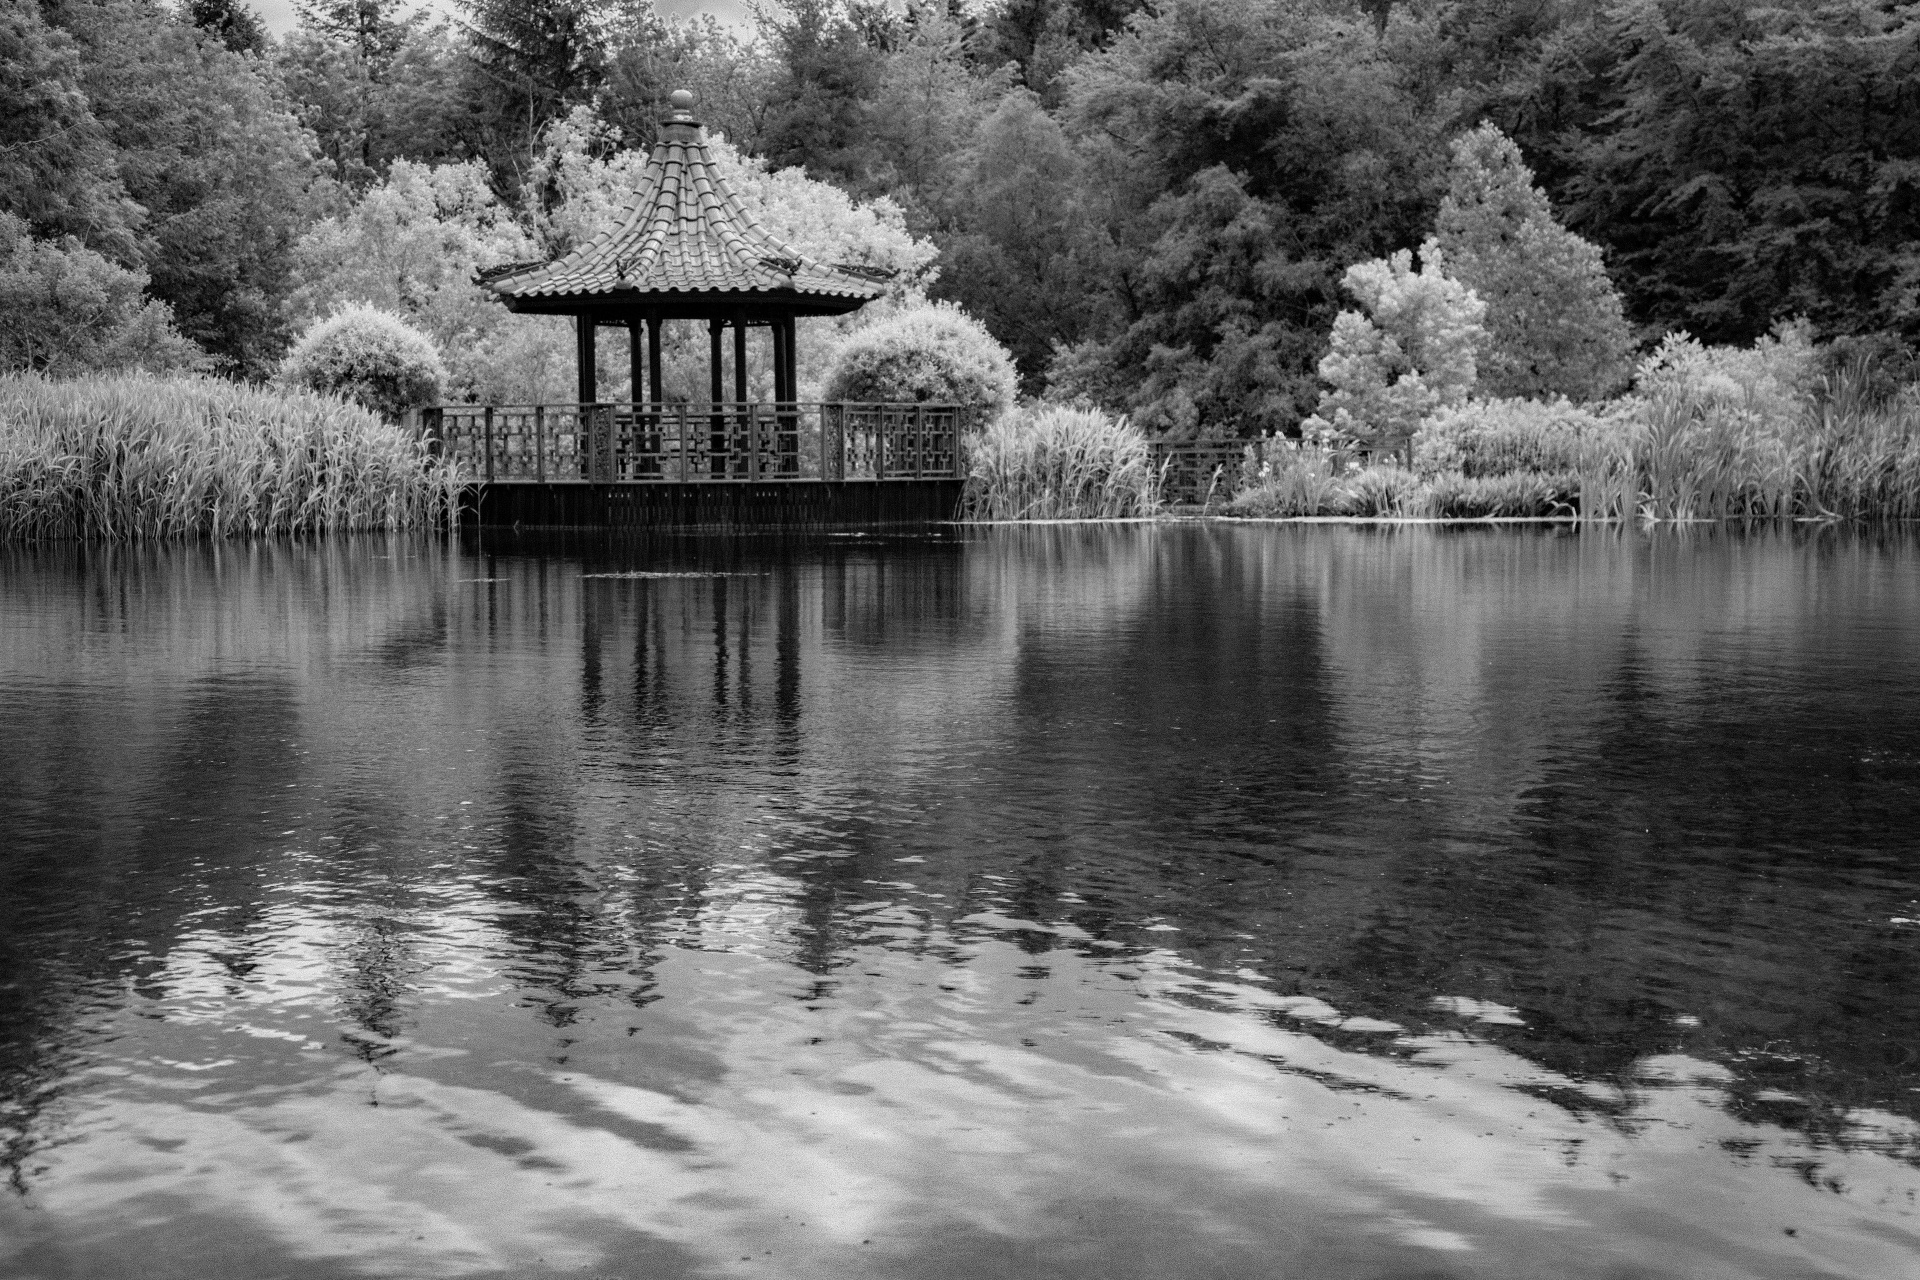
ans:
(583, 330)
(636, 360)
(717, 451)
(653, 359)
(740, 360)
(787, 384)
(777, 330)
(793, 360)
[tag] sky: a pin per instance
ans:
(279, 18)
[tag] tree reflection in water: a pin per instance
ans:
(1019, 895)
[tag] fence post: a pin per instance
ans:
(489, 439)
(540, 443)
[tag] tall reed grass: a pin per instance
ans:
(1844, 454)
(137, 456)
(1051, 462)
(1301, 479)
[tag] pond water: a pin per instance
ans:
(1084, 901)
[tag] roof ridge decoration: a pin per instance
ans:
(684, 233)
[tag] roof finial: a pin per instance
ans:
(678, 125)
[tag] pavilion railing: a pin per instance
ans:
(700, 443)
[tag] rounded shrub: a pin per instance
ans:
(1501, 437)
(369, 356)
(934, 352)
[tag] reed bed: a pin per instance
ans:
(1842, 456)
(1057, 463)
(1679, 454)
(1294, 480)
(138, 456)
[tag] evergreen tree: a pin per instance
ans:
(1746, 164)
(547, 54)
(829, 76)
(528, 63)
(374, 28)
(731, 78)
(1554, 318)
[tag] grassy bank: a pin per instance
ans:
(135, 456)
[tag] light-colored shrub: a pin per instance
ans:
(1775, 379)
(1054, 462)
(137, 456)
(1496, 437)
(369, 356)
(1412, 351)
(411, 245)
(1555, 324)
(933, 352)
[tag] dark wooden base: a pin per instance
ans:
(797, 504)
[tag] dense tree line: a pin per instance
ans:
(1153, 203)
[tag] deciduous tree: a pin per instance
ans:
(66, 310)
(207, 143)
(1238, 153)
(1413, 348)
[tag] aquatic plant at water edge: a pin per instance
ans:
(1709, 433)
(1294, 479)
(139, 456)
(1454, 496)
(1055, 462)
(1861, 456)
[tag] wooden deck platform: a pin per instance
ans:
(789, 504)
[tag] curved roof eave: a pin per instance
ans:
(684, 241)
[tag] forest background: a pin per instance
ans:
(1153, 205)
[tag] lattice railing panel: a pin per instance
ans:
(702, 443)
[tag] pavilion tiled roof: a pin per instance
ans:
(683, 234)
